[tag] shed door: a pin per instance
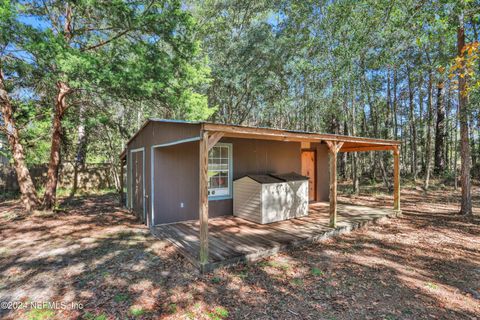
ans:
(308, 169)
(137, 184)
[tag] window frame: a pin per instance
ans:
(230, 172)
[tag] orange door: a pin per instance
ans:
(308, 170)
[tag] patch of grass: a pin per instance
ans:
(243, 274)
(275, 264)
(65, 192)
(124, 235)
(216, 280)
(407, 312)
(121, 297)
(91, 316)
(40, 314)
(10, 216)
(9, 195)
(172, 308)
(317, 272)
(296, 282)
(190, 315)
(137, 312)
(431, 285)
(218, 313)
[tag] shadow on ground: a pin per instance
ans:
(425, 264)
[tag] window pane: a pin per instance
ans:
(214, 182)
(224, 152)
(223, 182)
(215, 152)
(218, 171)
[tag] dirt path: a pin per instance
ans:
(424, 265)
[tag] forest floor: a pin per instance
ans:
(422, 265)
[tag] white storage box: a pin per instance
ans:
(269, 198)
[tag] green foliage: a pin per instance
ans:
(328, 66)
(121, 297)
(40, 314)
(216, 280)
(317, 272)
(118, 53)
(218, 313)
(91, 316)
(172, 308)
(137, 312)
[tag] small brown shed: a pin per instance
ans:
(179, 171)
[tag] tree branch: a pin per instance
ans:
(102, 43)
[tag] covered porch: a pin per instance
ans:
(232, 240)
(225, 240)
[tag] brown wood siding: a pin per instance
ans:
(254, 156)
(176, 174)
(176, 183)
(157, 133)
(323, 172)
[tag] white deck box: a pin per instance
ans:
(270, 198)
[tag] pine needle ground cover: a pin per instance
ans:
(96, 262)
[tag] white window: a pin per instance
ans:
(220, 171)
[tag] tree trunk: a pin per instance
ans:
(420, 123)
(478, 142)
(448, 131)
(413, 128)
(53, 166)
(395, 105)
(343, 155)
(428, 144)
(455, 156)
(466, 204)
(472, 143)
(81, 150)
(439, 164)
(25, 183)
(355, 179)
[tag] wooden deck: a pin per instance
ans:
(233, 240)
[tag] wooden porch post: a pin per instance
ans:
(203, 198)
(396, 178)
(333, 148)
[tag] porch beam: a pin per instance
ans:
(203, 198)
(214, 138)
(333, 148)
(285, 138)
(306, 144)
(372, 148)
(285, 135)
(396, 179)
